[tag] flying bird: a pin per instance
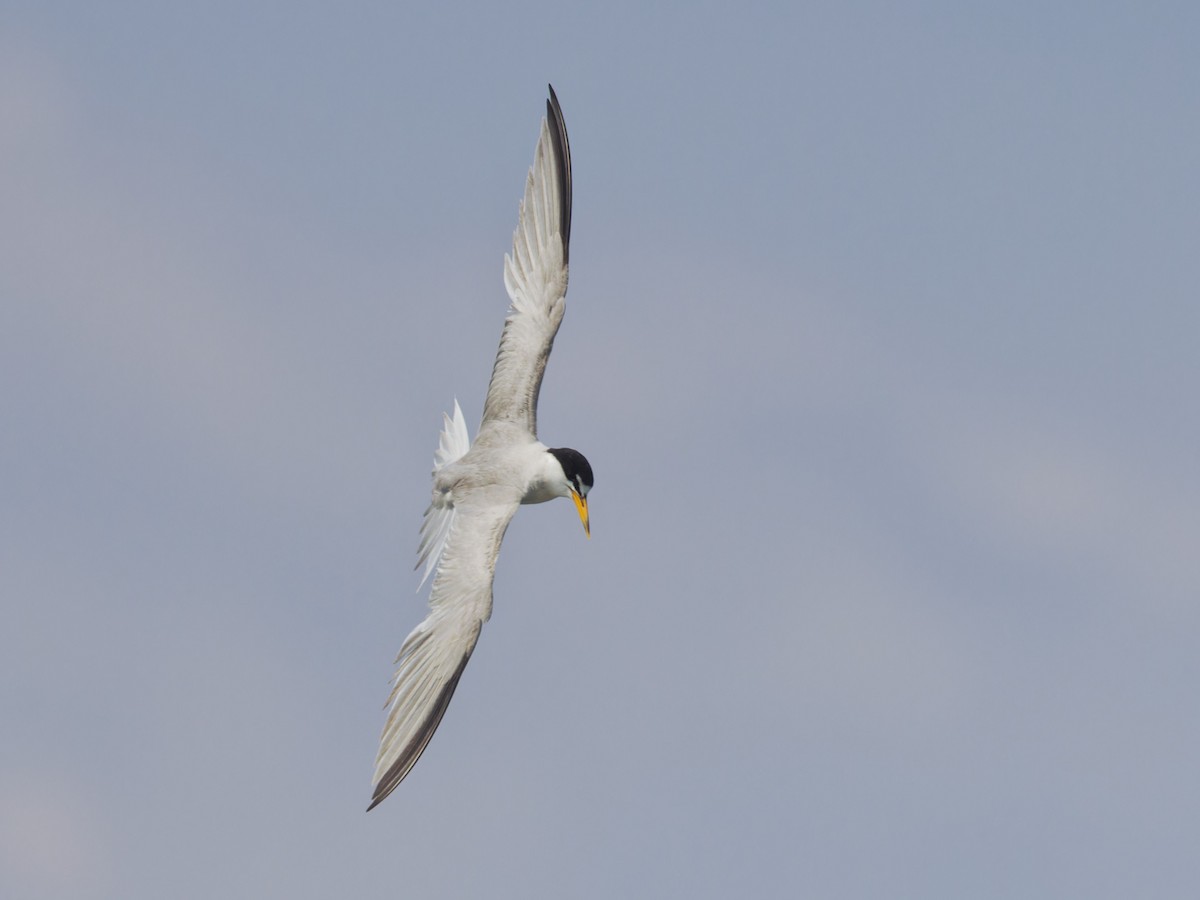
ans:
(478, 487)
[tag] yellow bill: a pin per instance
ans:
(581, 505)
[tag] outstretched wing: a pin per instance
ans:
(535, 275)
(433, 657)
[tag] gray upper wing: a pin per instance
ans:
(434, 655)
(535, 275)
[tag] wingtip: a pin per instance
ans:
(410, 751)
(378, 797)
(562, 153)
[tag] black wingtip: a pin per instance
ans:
(412, 752)
(562, 153)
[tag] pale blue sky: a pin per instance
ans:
(881, 340)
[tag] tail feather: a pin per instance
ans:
(453, 444)
(454, 441)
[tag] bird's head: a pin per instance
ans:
(577, 480)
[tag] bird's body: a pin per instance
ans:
(478, 487)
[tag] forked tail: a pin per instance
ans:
(452, 445)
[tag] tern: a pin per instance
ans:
(478, 487)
